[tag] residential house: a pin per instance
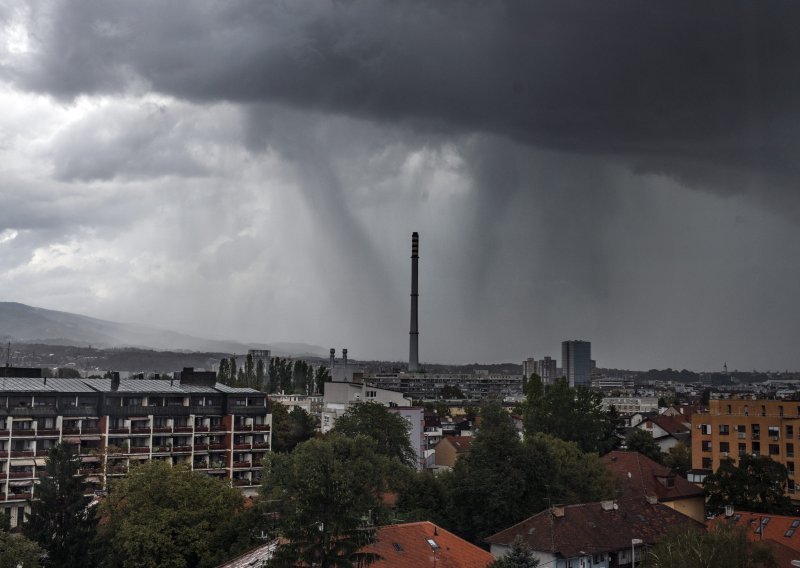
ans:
(450, 449)
(780, 532)
(668, 431)
(593, 535)
(637, 475)
(424, 544)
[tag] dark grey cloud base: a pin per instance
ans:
(621, 171)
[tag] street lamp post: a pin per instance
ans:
(634, 542)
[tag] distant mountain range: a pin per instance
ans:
(20, 323)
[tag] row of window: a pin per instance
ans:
(725, 448)
(725, 430)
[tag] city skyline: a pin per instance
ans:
(252, 172)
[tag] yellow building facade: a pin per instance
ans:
(735, 427)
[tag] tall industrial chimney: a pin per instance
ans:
(344, 359)
(413, 348)
(333, 360)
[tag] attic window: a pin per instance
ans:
(433, 545)
(789, 533)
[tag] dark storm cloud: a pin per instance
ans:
(706, 91)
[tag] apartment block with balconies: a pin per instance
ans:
(733, 427)
(114, 424)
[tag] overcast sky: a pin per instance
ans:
(623, 172)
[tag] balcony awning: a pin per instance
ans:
(20, 462)
(21, 483)
(40, 462)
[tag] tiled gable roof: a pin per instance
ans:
(776, 528)
(406, 545)
(593, 528)
(460, 443)
(639, 476)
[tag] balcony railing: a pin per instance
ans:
(140, 449)
(181, 449)
(140, 430)
(200, 465)
(260, 445)
(219, 428)
(90, 431)
(242, 482)
(70, 431)
(242, 464)
(47, 432)
(20, 474)
(119, 430)
(26, 433)
(201, 428)
(201, 447)
(216, 447)
(261, 427)
(184, 429)
(162, 429)
(19, 496)
(241, 446)
(243, 427)
(22, 454)
(42, 453)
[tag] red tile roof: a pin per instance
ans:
(673, 425)
(775, 529)
(592, 528)
(406, 546)
(639, 476)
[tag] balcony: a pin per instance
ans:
(181, 449)
(260, 445)
(140, 450)
(70, 431)
(3, 454)
(201, 428)
(261, 427)
(26, 433)
(19, 496)
(200, 465)
(89, 471)
(162, 449)
(242, 465)
(119, 430)
(162, 429)
(42, 453)
(217, 447)
(20, 474)
(243, 427)
(4, 433)
(241, 446)
(219, 428)
(22, 454)
(46, 433)
(201, 447)
(90, 431)
(182, 429)
(242, 482)
(118, 470)
(146, 430)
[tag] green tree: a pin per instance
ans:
(290, 428)
(232, 370)
(575, 415)
(642, 441)
(389, 430)
(450, 392)
(60, 519)
(260, 370)
(249, 371)
(756, 484)
(725, 546)
(165, 516)
(17, 551)
(325, 493)
(224, 372)
(679, 459)
(321, 376)
(520, 556)
(423, 496)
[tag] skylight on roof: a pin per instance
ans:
(433, 545)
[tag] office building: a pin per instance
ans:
(576, 362)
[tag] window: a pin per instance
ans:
(729, 409)
(774, 449)
(774, 432)
(742, 449)
(724, 429)
(724, 447)
(705, 429)
(706, 463)
(756, 448)
(756, 430)
(789, 450)
(789, 431)
(706, 445)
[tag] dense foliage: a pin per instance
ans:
(725, 546)
(326, 495)
(520, 556)
(642, 441)
(290, 428)
(60, 519)
(755, 484)
(165, 516)
(574, 415)
(389, 430)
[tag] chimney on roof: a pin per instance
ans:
(558, 511)
(115, 381)
(332, 361)
(728, 510)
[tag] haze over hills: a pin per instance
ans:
(21, 323)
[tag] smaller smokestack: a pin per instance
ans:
(114, 381)
(333, 360)
(344, 358)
